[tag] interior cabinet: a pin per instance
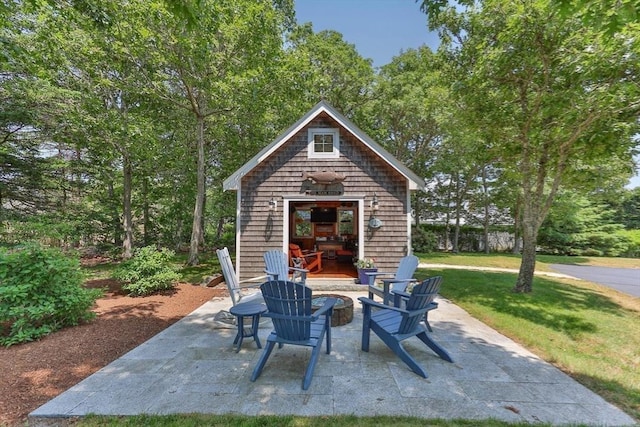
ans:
(329, 248)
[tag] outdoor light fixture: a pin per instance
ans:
(374, 203)
(273, 204)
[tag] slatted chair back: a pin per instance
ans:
(229, 274)
(289, 307)
(422, 295)
(277, 267)
(311, 261)
(296, 252)
(394, 281)
(236, 292)
(406, 269)
(393, 324)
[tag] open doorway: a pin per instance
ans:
(329, 227)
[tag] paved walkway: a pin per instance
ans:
(192, 367)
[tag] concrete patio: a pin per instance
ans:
(192, 367)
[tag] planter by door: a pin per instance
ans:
(362, 275)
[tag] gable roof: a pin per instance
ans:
(233, 181)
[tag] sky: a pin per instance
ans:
(380, 29)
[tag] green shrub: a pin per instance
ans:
(424, 241)
(632, 241)
(40, 292)
(148, 271)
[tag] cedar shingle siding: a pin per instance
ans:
(281, 173)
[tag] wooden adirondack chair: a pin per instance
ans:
(391, 282)
(401, 297)
(311, 261)
(289, 307)
(277, 268)
(394, 324)
(236, 291)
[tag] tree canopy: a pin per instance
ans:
(119, 121)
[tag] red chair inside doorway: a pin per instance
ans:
(311, 261)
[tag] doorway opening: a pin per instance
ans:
(329, 227)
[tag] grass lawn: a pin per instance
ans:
(513, 261)
(589, 331)
(283, 421)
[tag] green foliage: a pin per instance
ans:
(423, 240)
(576, 226)
(365, 263)
(632, 237)
(148, 271)
(628, 208)
(223, 236)
(40, 292)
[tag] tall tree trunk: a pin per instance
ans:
(115, 217)
(417, 208)
(447, 219)
(516, 227)
(528, 263)
(178, 235)
(456, 233)
(196, 232)
(220, 228)
(146, 220)
(202, 220)
(485, 203)
(127, 244)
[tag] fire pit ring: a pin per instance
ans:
(342, 311)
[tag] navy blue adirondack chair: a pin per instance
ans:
(394, 324)
(289, 307)
(277, 267)
(392, 282)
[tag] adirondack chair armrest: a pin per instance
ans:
(253, 280)
(271, 273)
(398, 296)
(372, 303)
(307, 254)
(326, 307)
(401, 294)
(249, 286)
(375, 274)
(302, 270)
(407, 281)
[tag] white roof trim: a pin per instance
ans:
(233, 181)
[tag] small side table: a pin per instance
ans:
(247, 309)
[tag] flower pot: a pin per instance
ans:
(362, 275)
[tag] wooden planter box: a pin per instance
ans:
(362, 275)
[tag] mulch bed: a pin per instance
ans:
(36, 372)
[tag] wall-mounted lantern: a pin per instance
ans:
(374, 203)
(273, 205)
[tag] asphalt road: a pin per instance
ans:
(625, 280)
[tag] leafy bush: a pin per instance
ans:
(148, 271)
(40, 292)
(632, 240)
(423, 240)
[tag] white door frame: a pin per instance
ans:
(287, 199)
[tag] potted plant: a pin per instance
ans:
(364, 266)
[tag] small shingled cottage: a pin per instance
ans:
(323, 186)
